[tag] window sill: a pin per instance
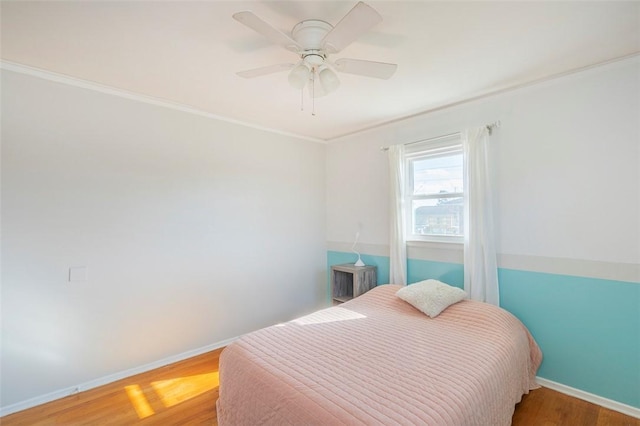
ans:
(442, 245)
(436, 251)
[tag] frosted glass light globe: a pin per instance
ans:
(299, 76)
(329, 80)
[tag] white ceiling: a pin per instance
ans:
(188, 53)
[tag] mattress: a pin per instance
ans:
(378, 360)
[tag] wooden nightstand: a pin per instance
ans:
(349, 281)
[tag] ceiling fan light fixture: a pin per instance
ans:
(299, 76)
(328, 79)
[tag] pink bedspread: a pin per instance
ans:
(378, 360)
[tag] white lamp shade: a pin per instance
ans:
(299, 76)
(329, 80)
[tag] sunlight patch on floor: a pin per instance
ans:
(171, 392)
(139, 401)
(175, 391)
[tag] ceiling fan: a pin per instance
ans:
(313, 41)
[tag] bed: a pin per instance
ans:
(378, 360)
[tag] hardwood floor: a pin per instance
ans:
(547, 407)
(185, 393)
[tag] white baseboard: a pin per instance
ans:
(589, 397)
(61, 393)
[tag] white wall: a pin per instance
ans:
(566, 158)
(193, 231)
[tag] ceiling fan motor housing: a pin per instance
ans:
(313, 57)
(310, 34)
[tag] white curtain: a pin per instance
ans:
(480, 265)
(397, 243)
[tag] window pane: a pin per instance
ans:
(441, 216)
(437, 175)
(434, 194)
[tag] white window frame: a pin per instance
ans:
(435, 147)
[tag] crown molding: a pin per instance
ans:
(631, 57)
(97, 87)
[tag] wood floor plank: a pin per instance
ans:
(190, 385)
(185, 393)
(613, 418)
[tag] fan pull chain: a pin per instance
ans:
(302, 99)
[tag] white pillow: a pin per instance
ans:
(431, 296)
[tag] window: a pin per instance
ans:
(434, 197)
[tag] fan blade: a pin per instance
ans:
(257, 72)
(271, 33)
(381, 70)
(358, 21)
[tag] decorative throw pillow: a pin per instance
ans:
(431, 296)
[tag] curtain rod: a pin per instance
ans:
(489, 127)
(494, 125)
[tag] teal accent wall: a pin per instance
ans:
(588, 328)
(450, 273)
